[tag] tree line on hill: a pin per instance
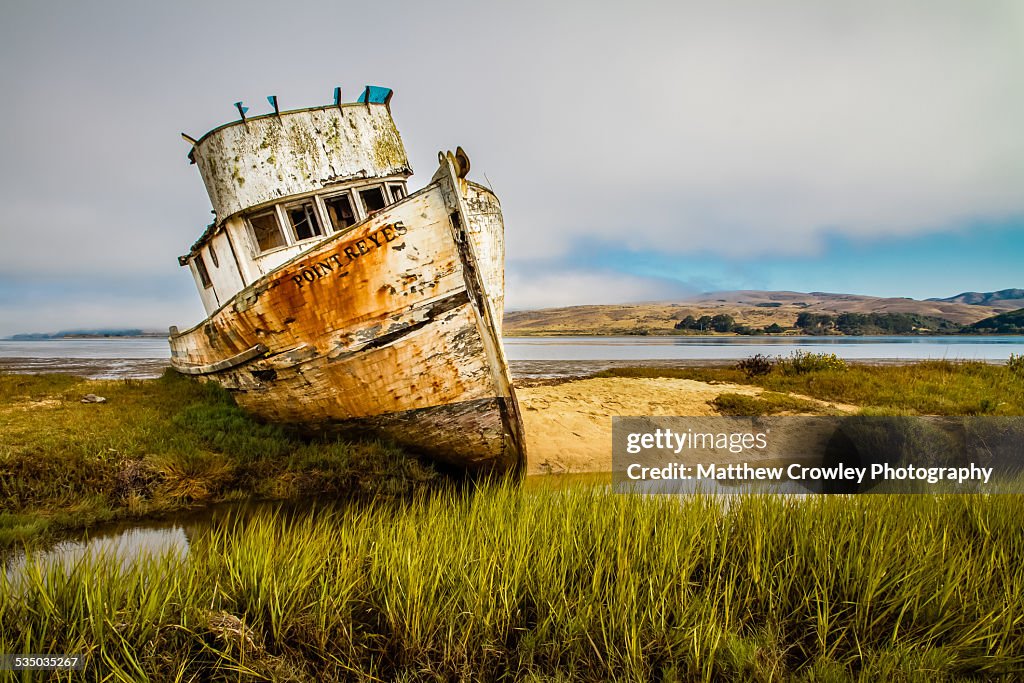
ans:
(1011, 322)
(860, 324)
(723, 322)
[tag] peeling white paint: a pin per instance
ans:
(271, 157)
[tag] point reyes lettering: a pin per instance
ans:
(347, 253)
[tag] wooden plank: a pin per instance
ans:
(237, 359)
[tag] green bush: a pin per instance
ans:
(802, 362)
(1016, 364)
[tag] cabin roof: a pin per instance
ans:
(371, 94)
(198, 244)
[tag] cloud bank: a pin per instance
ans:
(738, 130)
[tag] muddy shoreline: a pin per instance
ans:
(524, 372)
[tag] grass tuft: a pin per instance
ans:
(767, 403)
(1015, 364)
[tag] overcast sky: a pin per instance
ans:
(641, 150)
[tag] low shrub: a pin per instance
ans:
(802, 362)
(756, 365)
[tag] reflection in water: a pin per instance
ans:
(128, 547)
(718, 487)
(132, 542)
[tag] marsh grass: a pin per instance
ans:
(156, 446)
(1015, 364)
(925, 388)
(571, 583)
(767, 403)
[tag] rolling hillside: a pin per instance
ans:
(1004, 299)
(754, 308)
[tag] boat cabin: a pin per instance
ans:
(281, 182)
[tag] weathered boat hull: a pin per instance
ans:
(388, 329)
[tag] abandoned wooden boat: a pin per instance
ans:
(337, 301)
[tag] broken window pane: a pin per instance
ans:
(204, 275)
(397, 192)
(339, 209)
(304, 221)
(373, 200)
(266, 231)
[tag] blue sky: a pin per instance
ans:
(987, 256)
(641, 151)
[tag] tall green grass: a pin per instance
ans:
(566, 584)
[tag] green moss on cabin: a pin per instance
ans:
(302, 142)
(304, 147)
(388, 151)
(271, 140)
(332, 140)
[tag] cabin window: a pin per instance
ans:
(213, 256)
(267, 231)
(305, 224)
(340, 212)
(204, 275)
(397, 192)
(373, 200)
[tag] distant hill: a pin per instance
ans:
(87, 334)
(755, 309)
(1004, 323)
(1005, 299)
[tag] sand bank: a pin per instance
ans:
(569, 425)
